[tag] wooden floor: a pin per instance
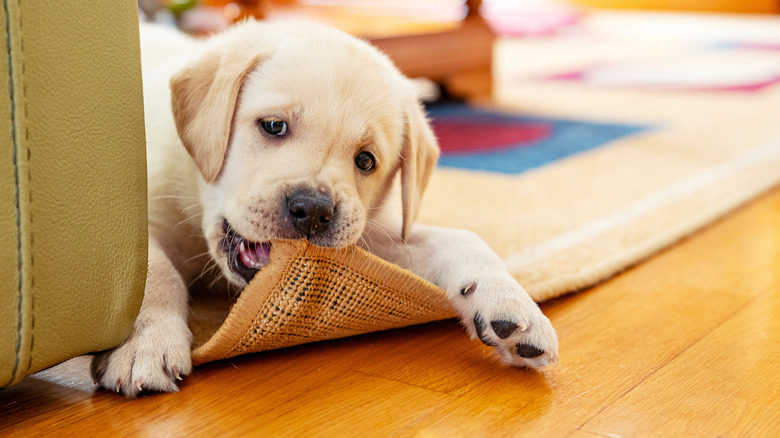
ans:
(685, 344)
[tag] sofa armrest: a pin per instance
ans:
(72, 181)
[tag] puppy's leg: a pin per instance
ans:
(157, 352)
(492, 304)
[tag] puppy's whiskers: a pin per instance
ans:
(172, 197)
(197, 256)
(185, 209)
(393, 237)
(208, 268)
(220, 275)
(389, 232)
(365, 244)
(185, 220)
(214, 281)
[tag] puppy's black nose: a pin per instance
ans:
(311, 212)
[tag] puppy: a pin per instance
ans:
(293, 131)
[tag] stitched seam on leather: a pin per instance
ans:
(29, 186)
(15, 158)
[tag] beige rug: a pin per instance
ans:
(706, 87)
(707, 93)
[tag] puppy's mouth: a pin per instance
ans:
(244, 257)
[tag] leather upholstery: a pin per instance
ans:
(72, 181)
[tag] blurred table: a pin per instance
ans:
(447, 41)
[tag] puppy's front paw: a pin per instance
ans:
(503, 316)
(153, 358)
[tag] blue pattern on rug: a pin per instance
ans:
(552, 139)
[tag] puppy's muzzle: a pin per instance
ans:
(311, 212)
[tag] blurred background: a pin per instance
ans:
(454, 43)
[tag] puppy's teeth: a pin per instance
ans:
(242, 246)
(523, 326)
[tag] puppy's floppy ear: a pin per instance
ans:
(418, 159)
(203, 98)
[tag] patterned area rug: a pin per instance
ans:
(611, 144)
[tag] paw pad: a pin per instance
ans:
(503, 329)
(528, 351)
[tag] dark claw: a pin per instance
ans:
(479, 324)
(503, 329)
(528, 351)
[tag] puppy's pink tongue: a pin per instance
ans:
(254, 255)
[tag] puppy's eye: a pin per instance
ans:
(274, 127)
(365, 161)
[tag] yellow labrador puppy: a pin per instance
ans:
(293, 131)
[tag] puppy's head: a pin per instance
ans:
(298, 131)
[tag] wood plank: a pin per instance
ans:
(727, 384)
(374, 408)
(439, 357)
(584, 434)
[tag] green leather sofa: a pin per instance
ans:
(72, 181)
